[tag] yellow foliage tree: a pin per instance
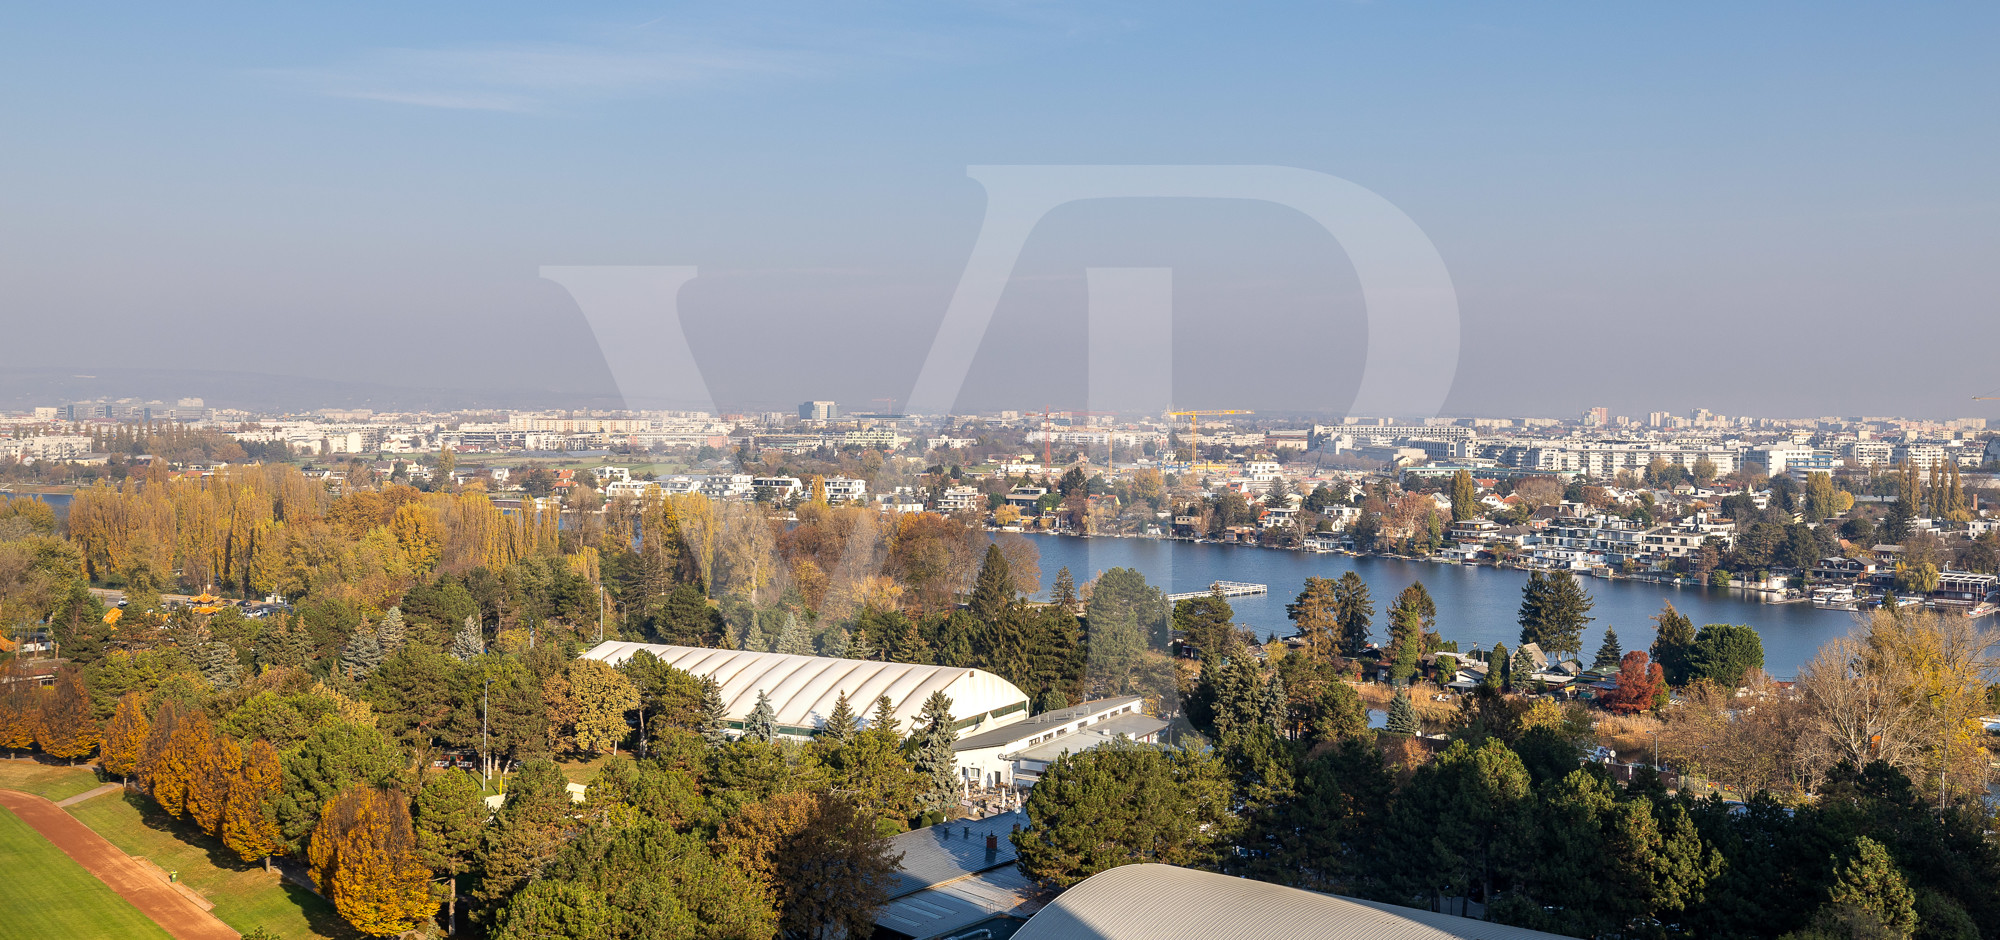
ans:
(177, 753)
(208, 792)
(248, 825)
(125, 737)
(364, 858)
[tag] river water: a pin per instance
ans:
(1475, 605)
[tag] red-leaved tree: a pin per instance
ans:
(1639, 683)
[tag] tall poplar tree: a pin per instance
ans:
(1464, 496)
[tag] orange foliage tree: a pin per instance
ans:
(364, 858)
(125, 737)
(249, 825)
(66, 728)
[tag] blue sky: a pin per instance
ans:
(1778, 209)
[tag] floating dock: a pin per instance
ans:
(1228, 589)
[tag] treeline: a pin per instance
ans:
(1499, 817)
(354, 781)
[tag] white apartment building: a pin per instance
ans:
(845, 489)
(961, 499)
(46, 447)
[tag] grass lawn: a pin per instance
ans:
(245, 896)
(49, 781)
(44, 893)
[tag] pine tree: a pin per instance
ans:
(714, 719)
(361, 655)
(936, 757)
(1403, 714)
(840, 726)
(1673, 646)
(249, 825)
(65, 727)
(218, 665)
(1496, 667)
(1522, 669)
(285, 643)
(1316, 615)
(993, 592)
(1609, 653)
(762, 725)
(794, 641)
(1063, 594)
(470, 641)
(836, 642)
(391, 633)
(1554, 610)
(208, 792)
(858, 647)
(1871, 881)
(884, 720)
(1353, 611)
(449, 815)
(125, 737)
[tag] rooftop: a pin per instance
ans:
(1046, 721)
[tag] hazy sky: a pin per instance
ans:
(1785, 210)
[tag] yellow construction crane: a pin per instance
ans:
(1194, 430)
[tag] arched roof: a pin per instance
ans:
(1164, 902)
(803, 688)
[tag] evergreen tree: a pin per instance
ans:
(1410, 621)
(1464, 496)
(285, 644)
(1673, 646)
(1725, 653)
(391, 633)
(125, 737)
(714, 719)
(361, 655)
(1870, 881)
(1522, 669)
(842, 724)
(1063, 594)
(762, 725)
(1496, 667)
(936, 758)
(1608, 653)
(1403, 714)
(470, 641)
(449, 816)
(793, 640)
(884, 719)
(835, 643)
(1316, 615)
(249, 821)
(993, 592)
(1554, 610)
(218, 665)
(1353, 611)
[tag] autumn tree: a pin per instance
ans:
(249, 820)
(65, 727)
(364, 858)
(125, 737)
(828, 869)
(177, 754)
(208, 792)
(1640, 683)
(1464, 496)
(587, 703)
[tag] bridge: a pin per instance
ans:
(1228, 589)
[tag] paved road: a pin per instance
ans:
(88, 794)
(175, 914)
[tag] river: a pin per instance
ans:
(1475, 605)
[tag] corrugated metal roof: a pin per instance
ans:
(803, 688)
(1162, 902)
(1022, 730)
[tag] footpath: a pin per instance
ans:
(158, 900)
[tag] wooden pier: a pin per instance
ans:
(1228, 589)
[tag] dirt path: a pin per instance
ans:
(174, 913)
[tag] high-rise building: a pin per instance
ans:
(819, 411)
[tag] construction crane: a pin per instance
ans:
(1048, 436)
(1194, 429)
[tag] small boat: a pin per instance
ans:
(1835, 598)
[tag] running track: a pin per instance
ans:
(174, 913)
